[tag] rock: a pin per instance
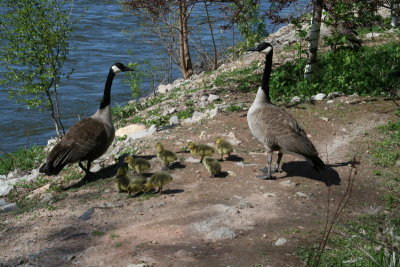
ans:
(3, 177)
(212, 98)
(280, 242)
(301, 194)
(221, 233)
(333, 95)
(173, 120)
(288, 183)
(95, 168)
(87, 214)
(319, 97)
(324, 118)
(295, 99)
(39, 191)
(142, 133)
(47, 197)
(372, 35)
(130, 129)
(138, 265)
(164, 88)
(203, 98)
(191, 160)
(329, 101)
(8, 207)
(212, 112)
(198, 116)
(7, 185)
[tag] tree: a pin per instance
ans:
(35, 35)
(313, 39)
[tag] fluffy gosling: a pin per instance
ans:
(122, 179)
(138, 164)
(223, 147)
(201, 150)
(165, 156)
(158, 179)
(212, 165)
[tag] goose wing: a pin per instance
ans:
(85, 140)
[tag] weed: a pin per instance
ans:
(244, 78)
(184, 114)
(377, 172)
(114, 236)
(118, 245)
(22, 159)
(98, 233)
(159, 121)
(38, 182)
(387, 151)
(233, 107)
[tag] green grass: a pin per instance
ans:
(360, 243)
(233, 108)
(98, 233)
(22, 159)
(36, 183)
(184, 114)
(387, 151)
(365, 72)
(245, 79)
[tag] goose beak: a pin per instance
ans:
(252, 49)
(127, 69)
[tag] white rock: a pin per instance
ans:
(198, 116)
(295, 99)
(173, 120)
(3, 177)
(330, 101)
(212, 112)
(39, 191)
(319, 97)
(301, 194)
(191, 159)
(212, 98)
(172, 110)
(372, 35)
(203, 98)
(221, 233)
(47, 197)
(324, 118)
(164, 88)
(142, 133)
(130, 129)
(7, 185)
(280, 242)
(334, 95)
(287, 183)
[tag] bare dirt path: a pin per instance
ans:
(235, 220)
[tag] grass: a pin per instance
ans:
(244, 78)
(387, 151)
(98, 233)
(233, 108)
(366, 72)
(367, 241)
(38, 182)
(22, 159)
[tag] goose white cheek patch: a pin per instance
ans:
(267, 50)
(116, 69)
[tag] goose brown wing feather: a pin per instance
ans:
(86, 140)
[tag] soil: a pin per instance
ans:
(231, 220)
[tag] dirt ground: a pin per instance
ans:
(232, 220)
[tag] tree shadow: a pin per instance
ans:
(301, 168)
(221, 175)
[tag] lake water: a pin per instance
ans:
(102, 36)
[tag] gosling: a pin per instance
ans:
(138, 164)
(122, 179)
(158, 179)
(201, 150)
(135, 187)
(223, 147)
(165, 156)
(213, 166)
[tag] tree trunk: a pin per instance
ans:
(394, 8)
(212, 37)
(184, 55)
(314, 39)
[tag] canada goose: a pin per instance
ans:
(122, 179)
(275, 128)
(138, 164)
(201, 150)
(158, 179)
(87, 139)
(136, 184)
(223, 147)
(212, 165)
(165, 156)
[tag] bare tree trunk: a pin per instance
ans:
(184, 55)
(212, 37)
(314, 39)
(394, 9)
(57, 109)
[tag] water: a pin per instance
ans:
(102, 36)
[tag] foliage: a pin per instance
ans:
(35, 36)
(22, 159)
(250, 21)
(244, 79)
(365, 72)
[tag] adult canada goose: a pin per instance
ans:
(87, 139)
(276, 129)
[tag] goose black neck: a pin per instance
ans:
(107, 90)
(267, 75)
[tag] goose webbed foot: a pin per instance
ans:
(273, 170)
